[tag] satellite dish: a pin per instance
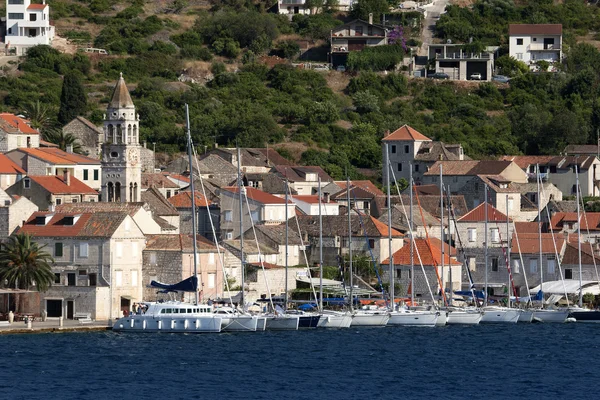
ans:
(449, 41)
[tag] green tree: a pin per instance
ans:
(24, 263)
(362, 8)
(58, 137)
(510, 66)
(73, 101)
(40, 115)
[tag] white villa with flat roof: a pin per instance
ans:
(27, 25)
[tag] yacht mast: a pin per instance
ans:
(241, 199)
(537, 173)
(389, 204)
(449, 240)
(349, 240)
(579, 235)
(320, 250)
(509, 287)
(193, 196)
(442, 228)
(412, 239)
(285, 304)
(485, 238)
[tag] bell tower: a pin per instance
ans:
(121, 167)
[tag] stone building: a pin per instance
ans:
(89, 136)
(14, 210)
(161, 183)
(162, 211)
(304, 180)
(10, 172)
(97, 262)
(170, 259)
(49, 191)
(206, 210)
(274, 237)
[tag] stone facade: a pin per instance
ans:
(203, 221)
(89, 136)
(13, 213)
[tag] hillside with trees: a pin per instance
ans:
(227, 48)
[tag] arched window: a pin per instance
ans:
(135, 190)
(111, 192)
(135, 138)
(124, 134)
(119, 135)
(129, 134)
(111, 133)
(131, 192)
(118, 192)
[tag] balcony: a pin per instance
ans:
(543, 47)
(532, 176)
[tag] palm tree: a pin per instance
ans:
(40, 115)
(62, 139)
(24, 263)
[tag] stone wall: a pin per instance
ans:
(163, 266)
(89, 138)
(147, 160)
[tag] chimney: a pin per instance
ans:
(70, 148)
(386, 133)
(67, 177)
(370, 18)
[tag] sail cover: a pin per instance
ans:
(188, 285)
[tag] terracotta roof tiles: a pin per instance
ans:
(402, 256)
(98, 224)
(258, 195)
(18, 123)
(478, 214)
(8, 167)
(184, 200)
(406, 133)
(57, 185)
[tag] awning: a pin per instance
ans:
(317, 282)
(571, 286)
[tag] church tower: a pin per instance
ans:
(121, 167)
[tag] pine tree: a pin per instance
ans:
(73, 101)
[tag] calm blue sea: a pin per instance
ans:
(532, 361)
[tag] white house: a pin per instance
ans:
(27, 25)
(531, 43)
(16, 132)
(310, 205)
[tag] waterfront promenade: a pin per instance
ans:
(53, 326)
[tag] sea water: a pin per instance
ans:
(529, 361)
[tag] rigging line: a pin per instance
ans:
(366, 236)
(416, 249)
(435, 264)
(302, 244)
(587, 227)
(505, 253)
(522, 263)
(260, 258)
(462, 249)
(558, 262)
(212, 225)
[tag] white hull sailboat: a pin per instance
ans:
(335, 319)
(233, 321)
(171, 317)
(464, 317)
(414, 318)
(525, 316)
(499, 315)
(551, 316)
(370, 318)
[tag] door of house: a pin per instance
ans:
(125, 304)
(54, 308)
(70, 309)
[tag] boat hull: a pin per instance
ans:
(551, 316)
(370, 319)
(283, 323)
(442, 318)
(240, 323)
(464, 318)
(414, 318)
(335, 320)
(308, 321)
(500, 316)
(525, 316)
(586, 316)
(150, 324)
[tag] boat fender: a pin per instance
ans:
(570, 319)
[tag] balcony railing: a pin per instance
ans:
(293, 2)
(463, 56)
(543, 47)
(532, 176)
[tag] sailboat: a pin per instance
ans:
(495, 314)
(545, 315)
(176, 316)
(404, 316)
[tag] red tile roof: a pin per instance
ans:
(184, 200)
(478, 214)
(406, 133)
(99, 224)
(535, 29)
(258, 195)
(8, 167)
(19, 123)
(365, 185)
(157, 180)
(44, 143)
(266, 265)
(311, 199)
(57, 185)
(527, 227)
(177, 177)
(72, 157)
(179, 242)
(402, 256)
(589, 220)
(525, 161)
(384, 228)
(37, 6)
(530, 243)
(469, 167)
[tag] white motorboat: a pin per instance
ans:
(282, 322)
(499, 315)
(172, 316)
(464, 317)
(551, 316)
(233, 321)
(370, 318)
(525, 316)
(414, 318)
(335, 319)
